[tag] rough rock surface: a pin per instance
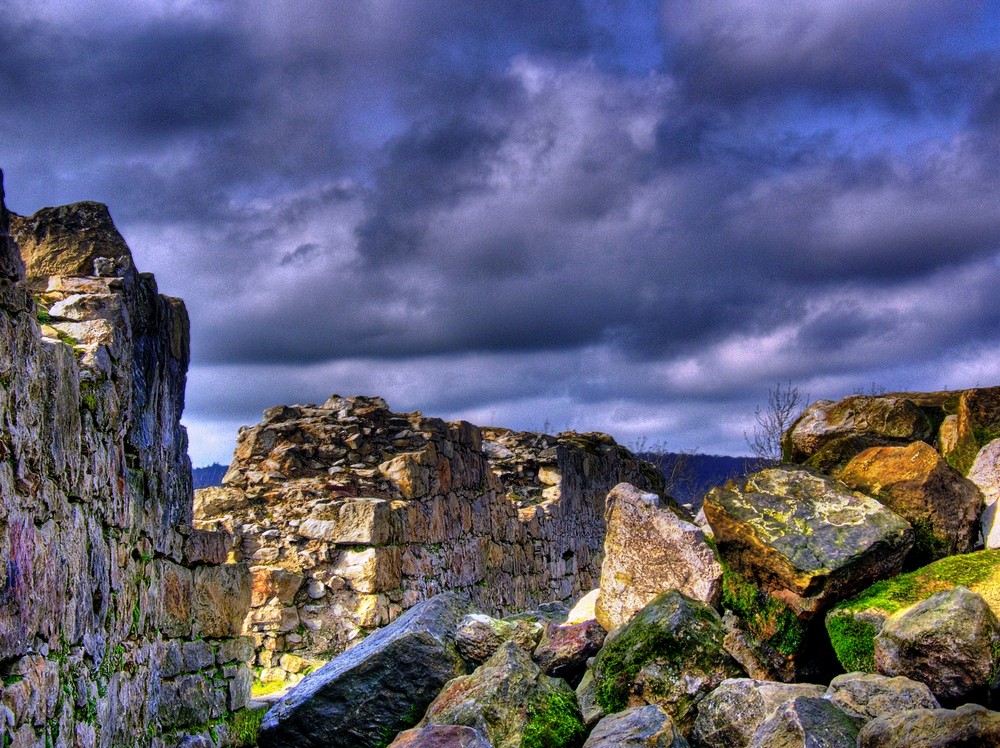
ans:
(440, 736)
(985, 473)
(853, 624)
(648, 549)
(375, 689)
(894, 417)
(805, 538)
(969, 726)
(479, 636)
(806, 722)
(949, 641)
(670, 653)
(371, 511)
(109, 634)
(511, 702)
(868, 696)
(730, 715)
(639, 727)
(564, 650)
(916, 483)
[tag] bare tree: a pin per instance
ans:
(784, 405)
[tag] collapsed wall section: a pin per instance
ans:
(349, 514)
(119, 623)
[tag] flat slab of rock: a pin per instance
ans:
(806, 722)
(868, 696)
(648, 549)
(377, 688)
(918, 484)
(949, 641)
(733, 712)
(806, 538)
(512, 703)
(440, 736)
(670, 653)
(969, 725)
(639, 727)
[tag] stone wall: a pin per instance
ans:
(349, 514)
(119, 622)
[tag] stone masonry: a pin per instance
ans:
(349, 514)
(119, 623)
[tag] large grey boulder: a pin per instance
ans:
(731, 715)
(648, 549)
(969, 726)
(639, 727)
(868, 696)
(376, 689)
(949, 641)
(670, 653)
(805, 538)
(806, 722)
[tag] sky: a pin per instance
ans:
(622, 215)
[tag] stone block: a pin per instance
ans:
(221, 600)
(206, 547)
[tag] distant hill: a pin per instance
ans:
(690, 476)
(210, 475)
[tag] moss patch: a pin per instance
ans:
(245, 724)
(555, 722)
(265, 689)
(766, 618)
(853, 638)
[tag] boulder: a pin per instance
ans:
(72, 240)
(977, 424)
(985, 473)
(730, 715)
(586, 697)
(512, 703)
(868, 696)
(970, 725)
(639, 727)
(805, 538)
(478, 636)
(670, 653)
(564, 650)
(853, 624)
(649, 549)
(440, 736)
(918, 484)
(806, 722)
(885, 417)
(375, 689)
(949, 641)
(584, 608)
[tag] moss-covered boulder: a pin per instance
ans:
(918, 484)
(805, 538)
(670, 653)
(976, 424)
(969, 726)
(833, 456)
(853, 624)
(950, 641)
(886, 417)
(732, 713)
(478, 635)
(512, 703)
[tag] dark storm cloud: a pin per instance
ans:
(630, 216)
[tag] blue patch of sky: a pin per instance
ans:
(626, 33)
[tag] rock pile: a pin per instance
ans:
(350, 514)
(119, 623)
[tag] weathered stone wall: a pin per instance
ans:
(350, 513)
(119, 623)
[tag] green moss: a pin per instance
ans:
(245, 724)
(42, 313)
(555, 722)
(928, 544)
(265, 689)
(766, 618)
(620, 662)
(854, 642)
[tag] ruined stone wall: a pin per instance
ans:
(119, 622)
(350, 513)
